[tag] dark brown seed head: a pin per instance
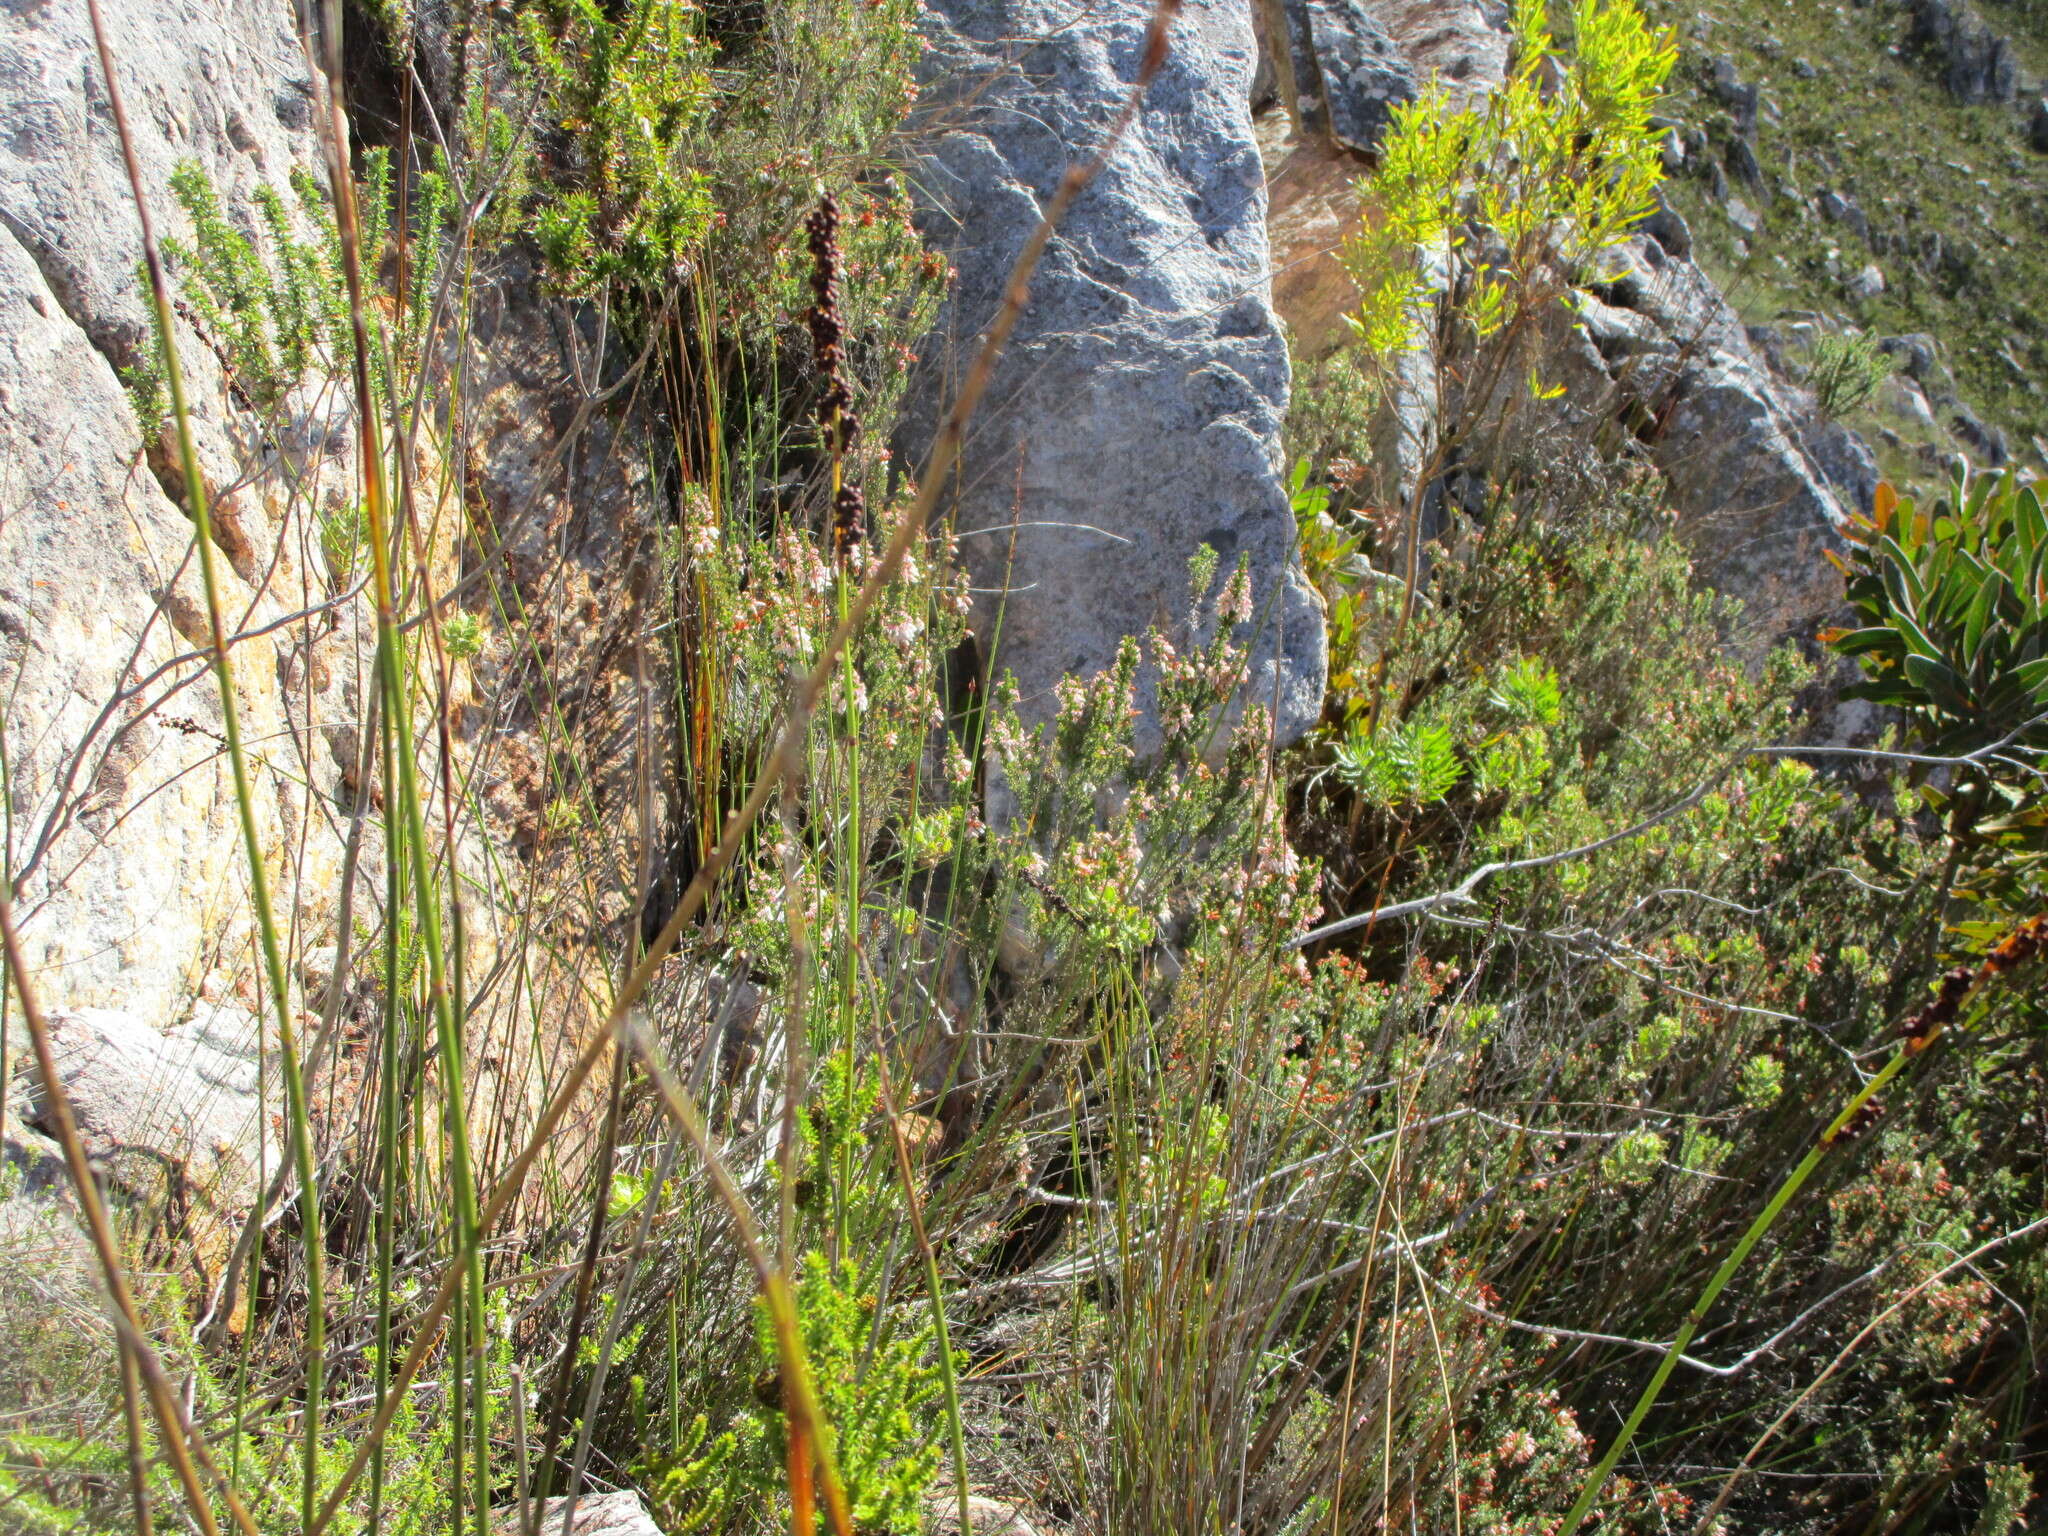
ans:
(849, 521)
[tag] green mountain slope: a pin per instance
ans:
(1833, 175)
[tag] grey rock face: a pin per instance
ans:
(1760, 485)
(1918, 356)
(1934, 397)
(1743, 164)
(1136, 413)
(1668, 228)
(1837, 209)
(1362, 76)
(596, 1514)
(1866, 283)
(1742, 99)
(1984, 441)
(1349, 63)
(170, 1112)
(1976, 64)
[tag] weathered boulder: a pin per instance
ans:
(163, 1114)
(1984, 442)
(1458, 46)
(1837, 209)
(985, 1516)
(1976, 64)
(1741, 160)
(1360, 59)
(1743, 99)
(1760, 485)
(1918, 355)
(1347, 73)
(1136, 413)
(1866, 283)
(595, 1514)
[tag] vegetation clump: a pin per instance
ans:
(1553, 1096)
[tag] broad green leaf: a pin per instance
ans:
(1941, 684)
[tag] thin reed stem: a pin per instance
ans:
(138, 1445)
(297, 1111)
(912, 523)
(1958, 989)
(949, 1385)
(187, 1452)
(396, 704)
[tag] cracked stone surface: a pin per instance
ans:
(1136, 414)
(123, 817)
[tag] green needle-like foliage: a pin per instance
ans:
(1508, 201)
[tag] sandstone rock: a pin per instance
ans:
(1844, 460)
(132, 876)
(1976, 64)
(1311, 202)
(595, 1514)
(162, 1114)
(1744, 101)
(1760, 485)
(1461, 45)
(1866, 283)
(1837, 209)
(1311, 209)
(1724, 82)
(1743, 164)
(1136, 413)
(129, 864)
(1984, 442)
(985, 1517)
(1918, 354)
(1761, 488)
(1902, 397)
(1668, 228)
